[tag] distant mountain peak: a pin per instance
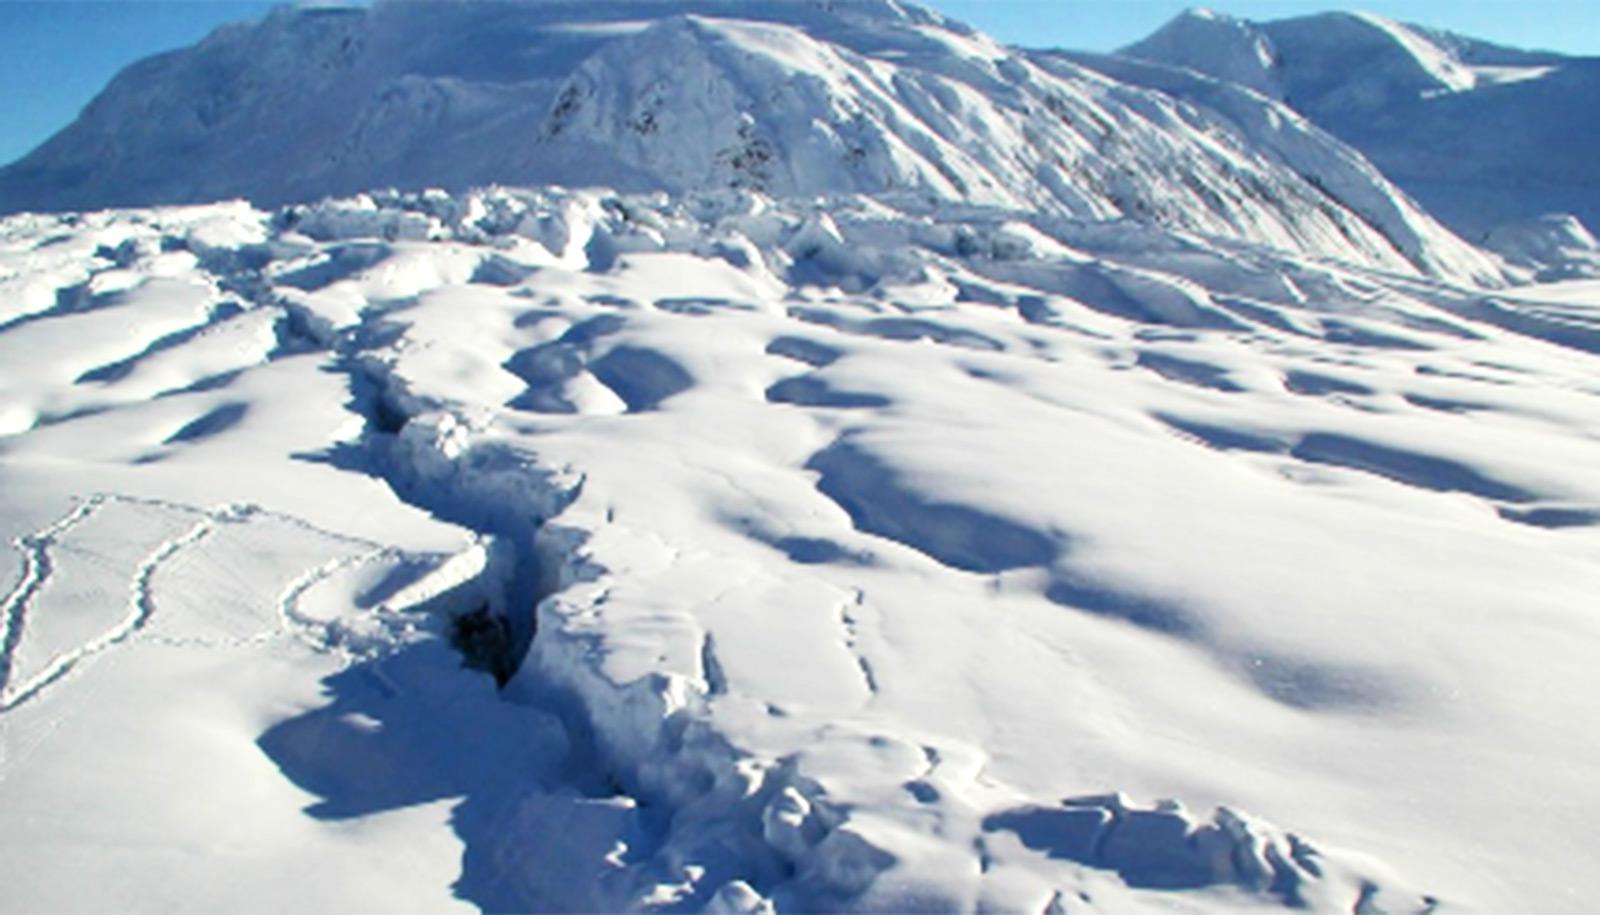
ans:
(1482, 135)
(1218, 45)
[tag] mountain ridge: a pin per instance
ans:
(1415, 101)
(803, 99)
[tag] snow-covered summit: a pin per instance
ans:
(1348, 61)
(1480, 134)
(790, 98)
(1216, 44)
(1398, 62)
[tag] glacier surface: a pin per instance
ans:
(848, 555)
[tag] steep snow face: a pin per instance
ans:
(884, 557)
(790, 98)
(1344, 180)
(1480, 134)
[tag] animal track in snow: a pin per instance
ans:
(140, 607)
(36, 571)
(319, 634)
(852, 639)
(40, 568)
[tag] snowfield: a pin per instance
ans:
(856, 554)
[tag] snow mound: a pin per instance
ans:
(823, 547)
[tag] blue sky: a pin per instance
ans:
(56, 54)
(1571, 26)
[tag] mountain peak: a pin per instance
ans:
(1217, 45)
(1416, 101)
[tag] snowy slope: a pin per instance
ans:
(858, 555)
(1482, 135)
(1556, 246)
(793, 98)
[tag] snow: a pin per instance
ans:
(794, 99)
(1501, 74)
(1416, 101)
(840, 542)
(1552, 247)
(900, 473)
(1437, 63)
(1218, 45)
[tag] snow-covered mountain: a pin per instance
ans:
(793, 98)
(937, 477)
(1482, 135)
